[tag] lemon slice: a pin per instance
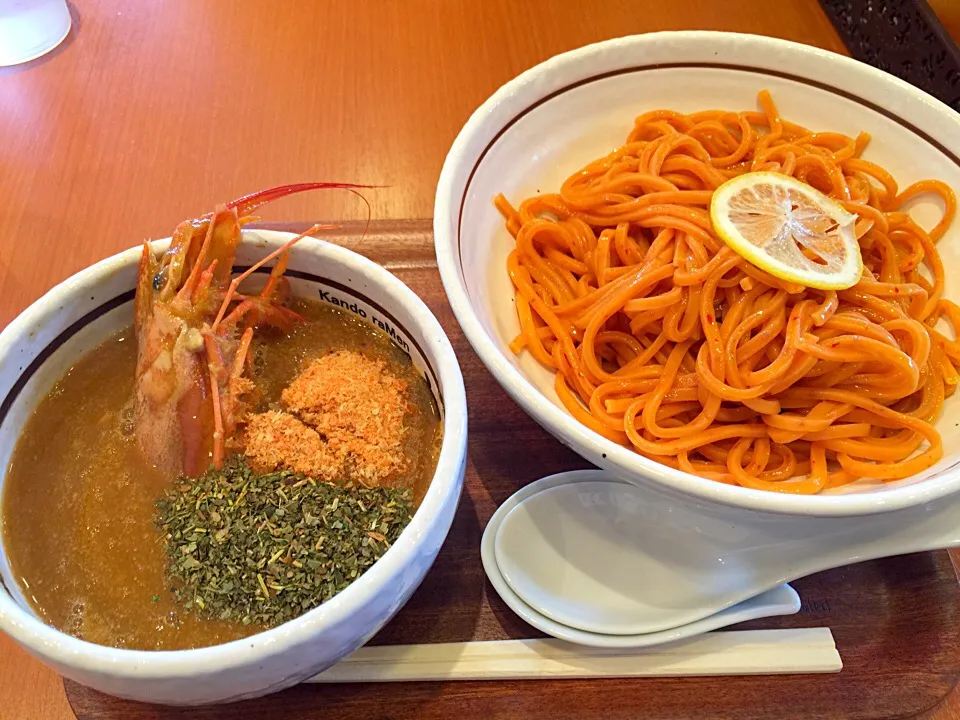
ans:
(770, 219)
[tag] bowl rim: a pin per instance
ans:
(537, 85)
(446, 484)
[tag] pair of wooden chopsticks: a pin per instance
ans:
(745, 652)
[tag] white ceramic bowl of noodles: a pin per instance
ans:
(550, 121)
(74, 317)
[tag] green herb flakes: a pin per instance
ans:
(263, 549)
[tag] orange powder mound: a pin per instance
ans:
(277, 439)
(345, 420)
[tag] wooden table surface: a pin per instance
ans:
(948, 11)
(151, 112)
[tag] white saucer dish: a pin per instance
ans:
(75, 316)
(782, 600)
(542, 126)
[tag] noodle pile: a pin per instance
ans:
(665, 340)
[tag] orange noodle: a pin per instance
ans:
(665, 340)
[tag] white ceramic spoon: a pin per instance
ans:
(600, 555)
(782, 600)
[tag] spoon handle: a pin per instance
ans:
(934, 526)
(937, 527)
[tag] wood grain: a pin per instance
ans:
(896, 621)
(28, 689)
(948, 11)
(151, 112)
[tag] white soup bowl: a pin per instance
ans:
(40, 345)
(553, 119)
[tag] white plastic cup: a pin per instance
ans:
(31, 28)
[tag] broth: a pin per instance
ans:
(79, 500)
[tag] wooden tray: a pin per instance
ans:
(896, 621)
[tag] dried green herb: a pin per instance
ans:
(265, 548)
